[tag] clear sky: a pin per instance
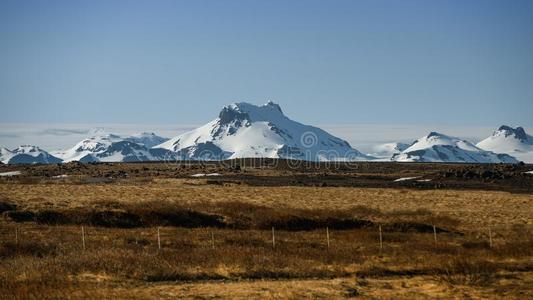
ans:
(325, 62)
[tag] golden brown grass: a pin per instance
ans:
(472, 208)
(50, 260)
(122, 259)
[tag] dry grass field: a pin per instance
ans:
(473, 208)
(216, 241)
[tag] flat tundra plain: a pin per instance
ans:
(266, 231)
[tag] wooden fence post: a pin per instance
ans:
(327, 235)
(83, 237)
(380, 239)
(435, 234)
(273, 238)
(490, 237)
(158, 239)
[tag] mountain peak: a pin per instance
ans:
(232, 113)
(247, 130)
(246, 106)
(27, 154)
(435, 134)
(273, 105)
(509, 140)
(27, 149)
(518, 132)
(245, 113)
(148, 139)
(505, 128)
(110, 147)
(438, 147)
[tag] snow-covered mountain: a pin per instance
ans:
(247, 130)
(27, 155)
(437, 147)
(388, 150)
(512, 141)
(114, 148)
(147, 139)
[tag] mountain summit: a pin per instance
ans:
(27, 155)
(512, 141)
(246, 130)
(438, 147)
(518, 132)
(103, 147)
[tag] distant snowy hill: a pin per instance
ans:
(512, 141)
(247, 130)
(114, 148)
(27, 155)
(437, 147)
(147, 139)
(388, 150)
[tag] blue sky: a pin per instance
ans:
(465, 63)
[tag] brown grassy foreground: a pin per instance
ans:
(217, 241)
(471, 208)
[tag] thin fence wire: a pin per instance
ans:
(169, 237)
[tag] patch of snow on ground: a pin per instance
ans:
(13, 173)
(406, 178)
(529, 172)
(60, 176)
(204, 175)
